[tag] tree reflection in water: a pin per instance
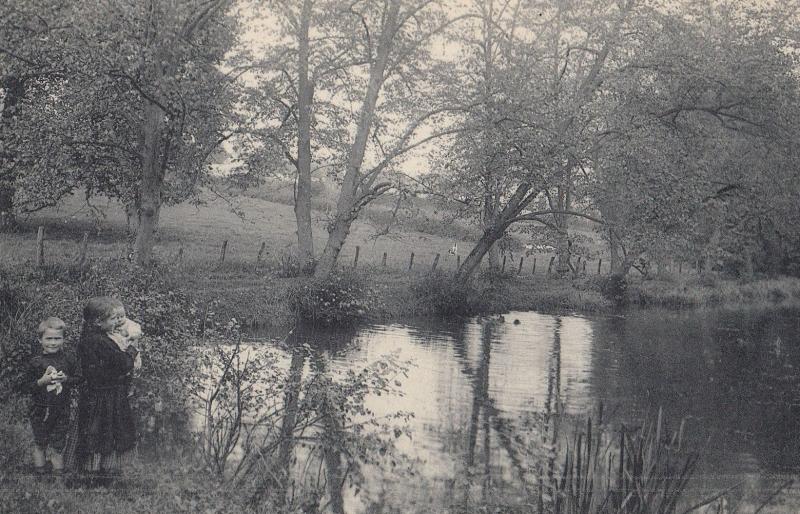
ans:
(527, 445)
(327, 434)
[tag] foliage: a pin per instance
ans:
(436, 292)
(350, 95)
(341, 298)
(615, 288)
(235, 392)
(134, 105)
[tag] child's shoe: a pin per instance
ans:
(59, 477)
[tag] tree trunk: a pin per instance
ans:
(348, 205)
(337, 235)
(614, 251)
(302, 199)
(490, 196)
(502, 219)
(710, 249)
(149, 185)
(7, 219)
(563, 244)
(14, 90)
(481, 248)
(489, 215)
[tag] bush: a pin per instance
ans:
(168, 318)
(341, 298)
(615, 288)
(437, 292)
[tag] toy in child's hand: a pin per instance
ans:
(56, 377)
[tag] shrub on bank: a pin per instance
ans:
(436, 292)
(341, 298)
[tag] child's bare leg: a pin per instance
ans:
(107, 462)
(96, 460)
(57, 459)
(38, 457)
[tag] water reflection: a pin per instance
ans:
(493, 400)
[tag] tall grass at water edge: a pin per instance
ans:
(708, 290)
(646, 471)
(642, 470)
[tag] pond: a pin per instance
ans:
(479, 388)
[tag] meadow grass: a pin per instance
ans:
(200, 231)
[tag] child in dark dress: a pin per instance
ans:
(106, 430)
(50, 377)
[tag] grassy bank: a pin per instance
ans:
(262, 295)
(264, 298)
(259, 292)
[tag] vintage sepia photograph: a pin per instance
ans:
(400, 256)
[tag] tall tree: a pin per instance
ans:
(139, 106)
(31, 34)
(353, 85)
(698, 120)
(551, 73)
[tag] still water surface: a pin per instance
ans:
(477, 388)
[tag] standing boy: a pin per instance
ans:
(51, 375)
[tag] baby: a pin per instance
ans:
(128, 334)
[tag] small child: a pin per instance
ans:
(51, 375)
(125, 336)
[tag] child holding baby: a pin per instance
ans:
(106, 428)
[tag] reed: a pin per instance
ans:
(642, 470)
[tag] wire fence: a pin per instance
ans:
(420, 259)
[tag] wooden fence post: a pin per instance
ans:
(599, 263)
(435, 262)
(261, 252)
(520, 265)
(458, 262)
(534, 266)
(680, 267)
(355, 260)
(223, 251)
(383, 260)
(411, 261)
(584, 267)
(40, 247)
(550, 264)
(503, 270)
(82, 252)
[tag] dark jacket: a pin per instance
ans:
(103, 363)
(61, 361)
